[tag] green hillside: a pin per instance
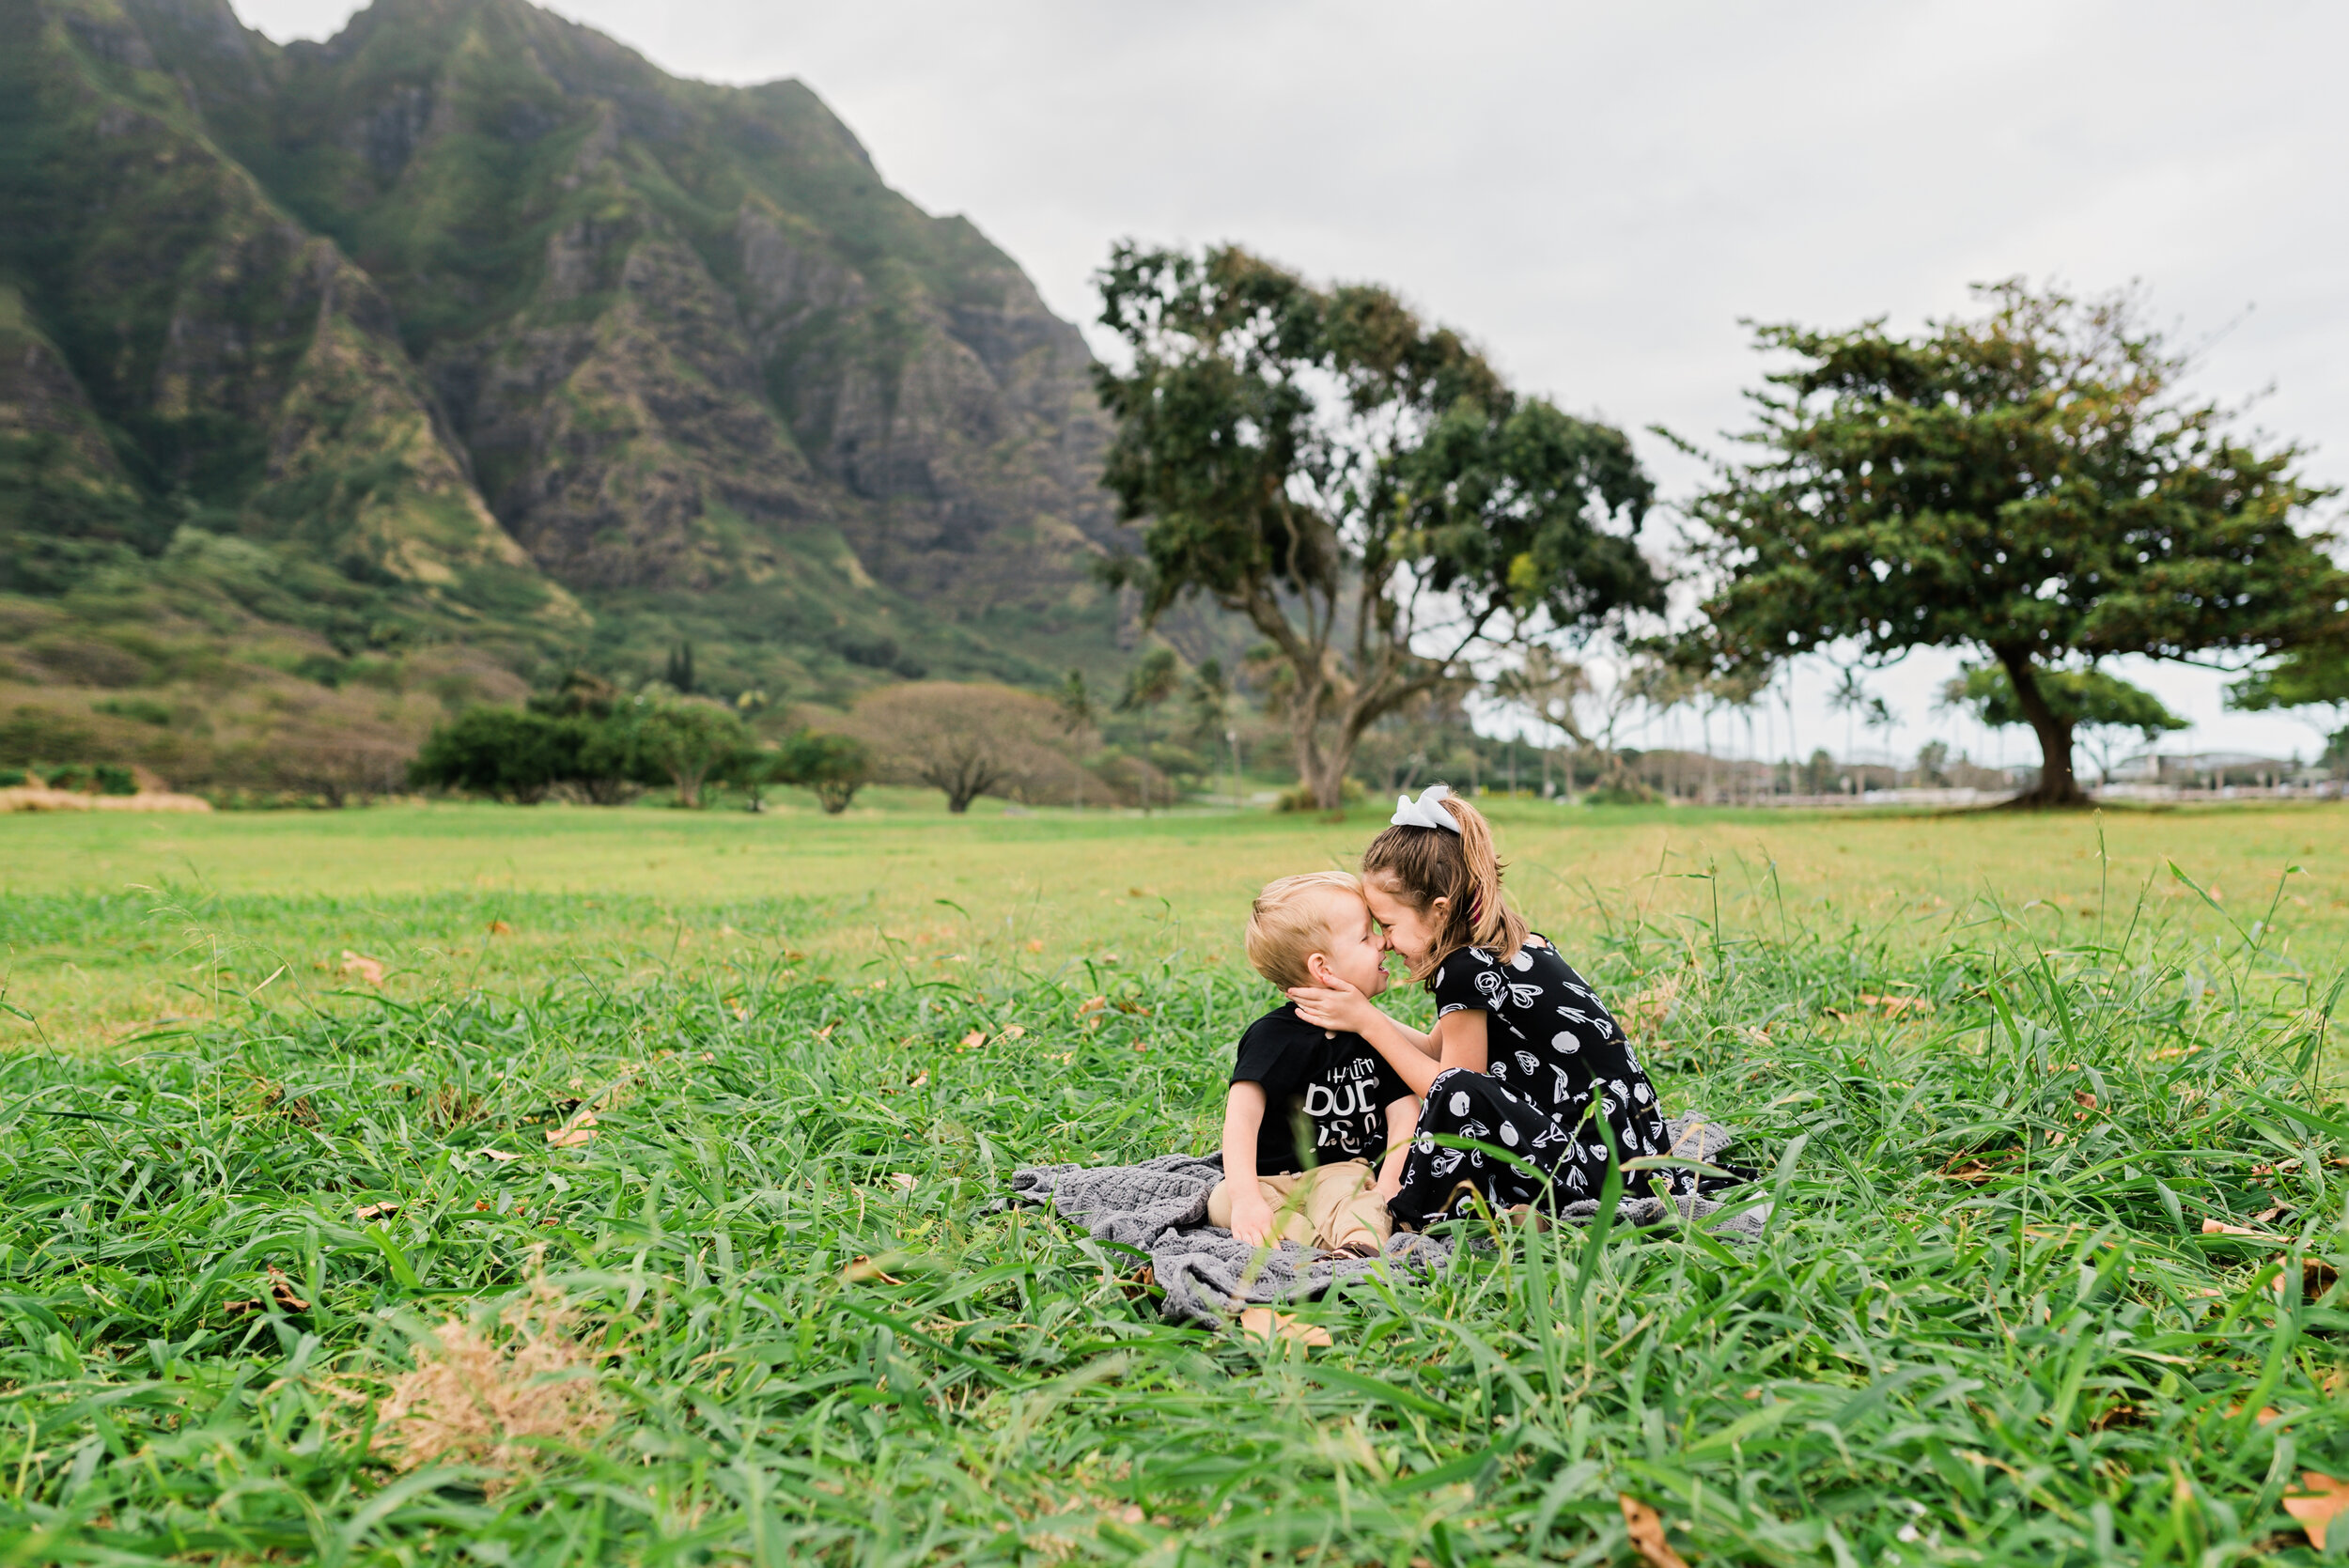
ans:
(341, 384)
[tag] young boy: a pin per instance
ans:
(1294, 1079)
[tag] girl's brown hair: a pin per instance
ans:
(1419, 865)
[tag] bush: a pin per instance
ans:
(13, 778)
(835, 767)
(506, 753)
(693, 744)
(31, 732)
(1300, 795)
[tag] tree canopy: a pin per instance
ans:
(2090, 699)
(2030, 483)
(1361, 486)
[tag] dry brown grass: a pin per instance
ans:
(495, 1399)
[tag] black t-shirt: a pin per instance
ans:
(1336, 1082)
(1549, 1037)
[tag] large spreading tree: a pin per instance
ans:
(1362, 486)
(2030, 484)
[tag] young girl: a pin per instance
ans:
(1522, 1049)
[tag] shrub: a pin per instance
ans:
(835, 767)
(693, 744)
(31, 732)
(503, 752)
(1300, 796)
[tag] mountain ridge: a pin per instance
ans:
(501, 338)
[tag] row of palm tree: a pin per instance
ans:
(1156, 680)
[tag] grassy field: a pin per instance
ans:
(662, 1227)
(117, 927)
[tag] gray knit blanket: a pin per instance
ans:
(1159, 1207)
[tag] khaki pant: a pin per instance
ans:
(1330, 1206)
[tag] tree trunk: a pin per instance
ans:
(2056, 786)
(1323, 773)
(1329, 785)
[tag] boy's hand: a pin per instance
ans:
(1252, 1217)
(1338, 1006)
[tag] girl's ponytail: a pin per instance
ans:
(1490, 920)
(1421, 864)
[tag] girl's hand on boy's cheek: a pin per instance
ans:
(1340, 1006)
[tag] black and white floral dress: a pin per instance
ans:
(1553, 1052)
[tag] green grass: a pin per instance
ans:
(1986, 1325)
(115, 927)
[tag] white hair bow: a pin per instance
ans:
(1427, 812)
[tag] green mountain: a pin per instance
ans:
(353, 381)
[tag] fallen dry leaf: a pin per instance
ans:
(378, 1211)
(2267, 1216)
(2316, 1278)
(903, 1181)
(1896, 1006)
(825, 1033)
(366, 968)
(1646, 1531)
(974, 1040)
(1036, 944)
(580, 1129)
(919, 1080)
(280, 1289)
(2316, 1512)
(499, 1154)
(861, 1268)
(1015, 1032)
(2219, 1227)
(499, 928)
(1266, 1323)
(2084, 1100)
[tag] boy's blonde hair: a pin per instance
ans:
(1289, 925)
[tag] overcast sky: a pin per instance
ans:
(1597, 193)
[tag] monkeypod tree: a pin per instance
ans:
(2031, 484)
(1361, 486)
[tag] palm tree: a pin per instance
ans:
(1852, 696)
(1740, 694)
(1210, 698)
(1151, 682)
(1080, 715)
(1547, 686)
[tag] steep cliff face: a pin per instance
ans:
(675, 323)
(250, 375)
(528, 344)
